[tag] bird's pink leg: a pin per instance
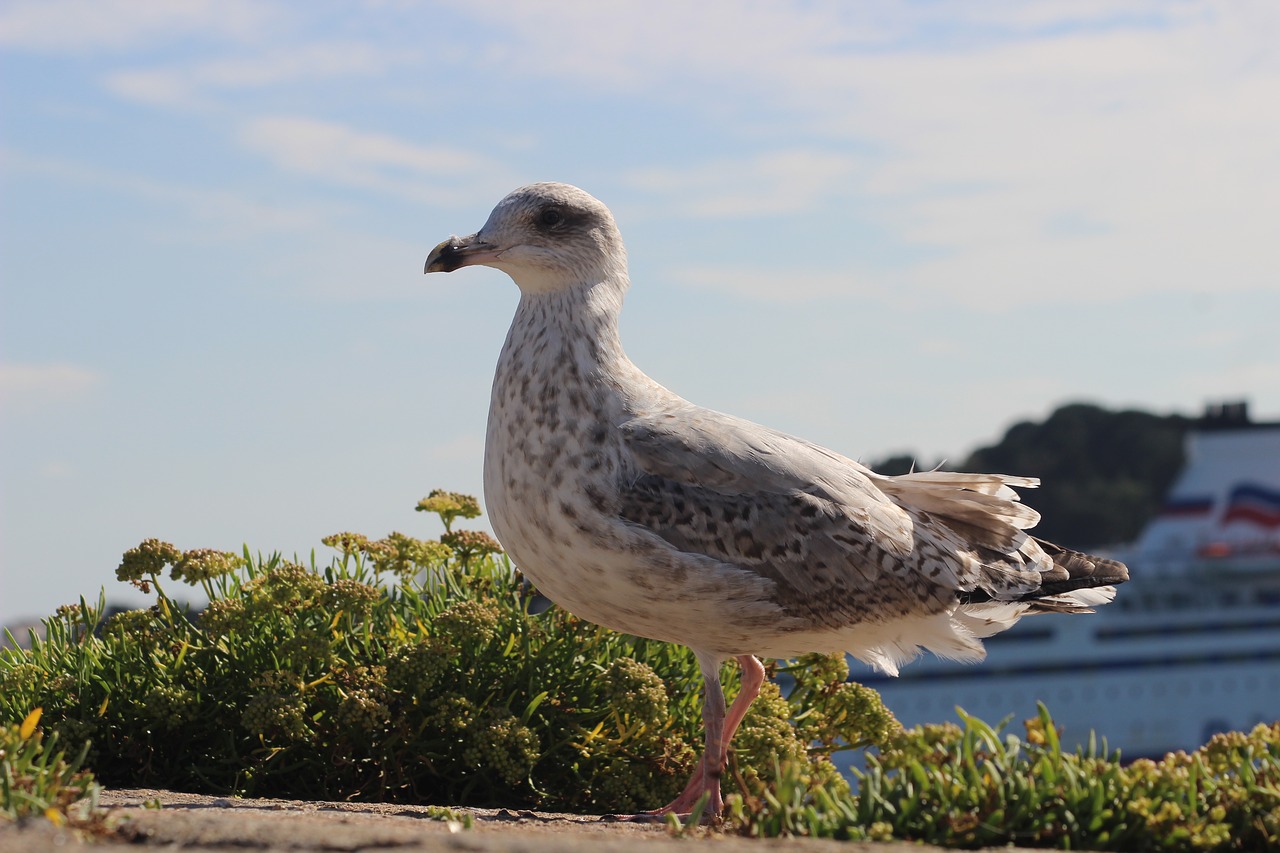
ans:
(720, 728)
(752, 680)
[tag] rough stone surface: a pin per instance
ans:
(191, 822)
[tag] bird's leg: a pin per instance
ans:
(720, 728)
(752, 680)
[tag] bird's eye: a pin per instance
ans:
(550, 217)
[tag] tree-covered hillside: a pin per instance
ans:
(1103, 473)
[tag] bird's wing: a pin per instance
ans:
(733, 456)
(840, 542)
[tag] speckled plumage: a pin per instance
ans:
(638, 510)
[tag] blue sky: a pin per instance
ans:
(886, 226)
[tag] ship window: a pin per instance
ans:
(1268, 596)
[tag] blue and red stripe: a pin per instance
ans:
(1255, 504)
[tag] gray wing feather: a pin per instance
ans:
(838, 548)
(736, 457)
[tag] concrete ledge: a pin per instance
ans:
(192, 822)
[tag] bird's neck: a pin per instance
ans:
(573, 329)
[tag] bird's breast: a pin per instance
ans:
(556, 468)
(551, 457)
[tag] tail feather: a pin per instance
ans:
(997, 485)
(1015, 574)
(983, 508)
(1074, 570)
(1075, 583)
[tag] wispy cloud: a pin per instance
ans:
(782, 52)
(770, 285)
(768, 184)
(648, 46)
(1157, 141)
(220, 214)
(27, 386)
(339, 262)
(1035, 153)
(77, 26)
(338, 154)
(187, 85)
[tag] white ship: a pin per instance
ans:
(1190, 646)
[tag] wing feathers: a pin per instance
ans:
(987, 484)
(844, 545)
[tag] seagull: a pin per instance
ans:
(637, 510)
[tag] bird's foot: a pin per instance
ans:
(698, 797)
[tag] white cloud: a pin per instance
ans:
(165, 87)
(663, 44)
(27, 386)
(189, 84)
(792, 51)
(74, 26)
(335, 153)
(1037, 152)
(769, 184)
(219, 214)
(770, 285)
(1156, 141)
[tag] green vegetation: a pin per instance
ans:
(1104, 473)
(972, 787)
(410, 670)
(405, 669)
(37, 779)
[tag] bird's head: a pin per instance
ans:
(547, 237)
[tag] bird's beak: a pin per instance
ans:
(459, 252)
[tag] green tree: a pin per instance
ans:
(1103, 473)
